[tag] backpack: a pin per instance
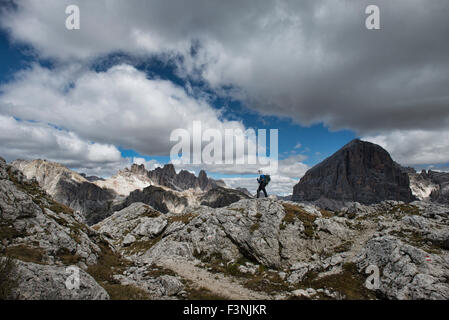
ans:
(267, 179)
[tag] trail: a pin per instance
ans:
(216, 283)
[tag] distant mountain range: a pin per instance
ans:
(97, 198)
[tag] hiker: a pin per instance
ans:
(263, 180)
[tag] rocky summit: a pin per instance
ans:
(360, 171)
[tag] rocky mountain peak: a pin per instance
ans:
(169, 170)
(360, 171)
(138, 169)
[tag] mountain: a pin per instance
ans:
(245, 191)
(360, 171)
(221, 197)
(184, 180)
(430, 185)
(69, 187)
(127, 180)
(250, 249)
(96, 198)
(43, 237)
(159, 198)
(272, 249)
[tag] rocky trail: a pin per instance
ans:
(216, 283)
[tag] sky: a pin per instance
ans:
(110, 94)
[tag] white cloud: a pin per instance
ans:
(312, 60)
(279, 185)
(33, 140)
(415, 147)
(120, 106)
(149, 165)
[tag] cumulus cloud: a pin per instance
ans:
(311, 60)
(415, 147)
(279, 185)
(120, 106)
(34, 140)
(149, 164)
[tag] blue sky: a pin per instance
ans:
(316, 142)
(99, 98)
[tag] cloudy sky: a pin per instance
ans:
(109, 94)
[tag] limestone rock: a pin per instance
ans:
(360, 171)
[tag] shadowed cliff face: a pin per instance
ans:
(360, 171)
(160, 199)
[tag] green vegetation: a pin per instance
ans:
(326, 213)
(142, 245)
(125, 292)
(25, 253)
(108, 264)
(293, 212)
(151, 213)
(67, 257)
(269, 282)
(8, 278)
(7, 232)
(416, 239)
(185, 218)
(254, 227)
(343, 247)
(155, 271)
(216, 263)
(60, 208)
(350, 283)
(405, 209)
(201, 293)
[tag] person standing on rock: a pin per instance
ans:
(263, 181)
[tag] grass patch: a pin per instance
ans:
(25, 253)
(405, 209)
(349, 283)
(151, 213)
(125, 292)
(343, 247)
(9, 233)
(269, 282)
(417, 240)
(254, 227)
(185, 218)
(9, 279)
(60, 208)
(202, 294)
(294, 212)
(216, 263)
(142, 246)
(326, 213)
(67, 257)
(155, 271)
(108, 264)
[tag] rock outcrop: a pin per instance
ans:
(431, 185)
(221, 197)
(127, 180)
(299, 249)
(43, 237)
(164, 244)
(159, 198)
(360, 171)
(69, 188)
